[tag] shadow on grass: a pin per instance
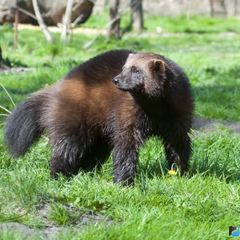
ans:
(218, 102)
(195, 31)
(206, 166)
(212, 167)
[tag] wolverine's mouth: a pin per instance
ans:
(124, 89)
(130, 90)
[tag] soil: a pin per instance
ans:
(207, 125)
(15, 70)
(58, 29)
(50, 229)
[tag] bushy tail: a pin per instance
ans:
(23, 126)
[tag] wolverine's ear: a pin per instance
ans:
(158, 66)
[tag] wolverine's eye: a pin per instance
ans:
(135, 70)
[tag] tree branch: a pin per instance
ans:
(41, 22)
(67, 21)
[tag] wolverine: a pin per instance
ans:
(110, 103)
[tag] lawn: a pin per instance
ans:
(201, 205)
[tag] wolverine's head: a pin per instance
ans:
(142, 72)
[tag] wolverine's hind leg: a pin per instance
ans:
(65, 158)
(69, 145)
(73, 153)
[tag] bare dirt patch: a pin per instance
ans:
(207, 125)
(50, 230)
(87, 31)
(15, 70)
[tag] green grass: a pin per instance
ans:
(194, 24)
(200, 205)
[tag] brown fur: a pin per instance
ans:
(87, 117)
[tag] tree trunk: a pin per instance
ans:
(1, 59)
(67, 21)
(211, 7)
(114, 28)
(137, 15)
(235, 7)
(16, 26)
(2, 63)
(41, 22)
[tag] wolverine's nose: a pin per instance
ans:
(116, 80)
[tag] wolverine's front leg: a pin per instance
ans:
(178, 146)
